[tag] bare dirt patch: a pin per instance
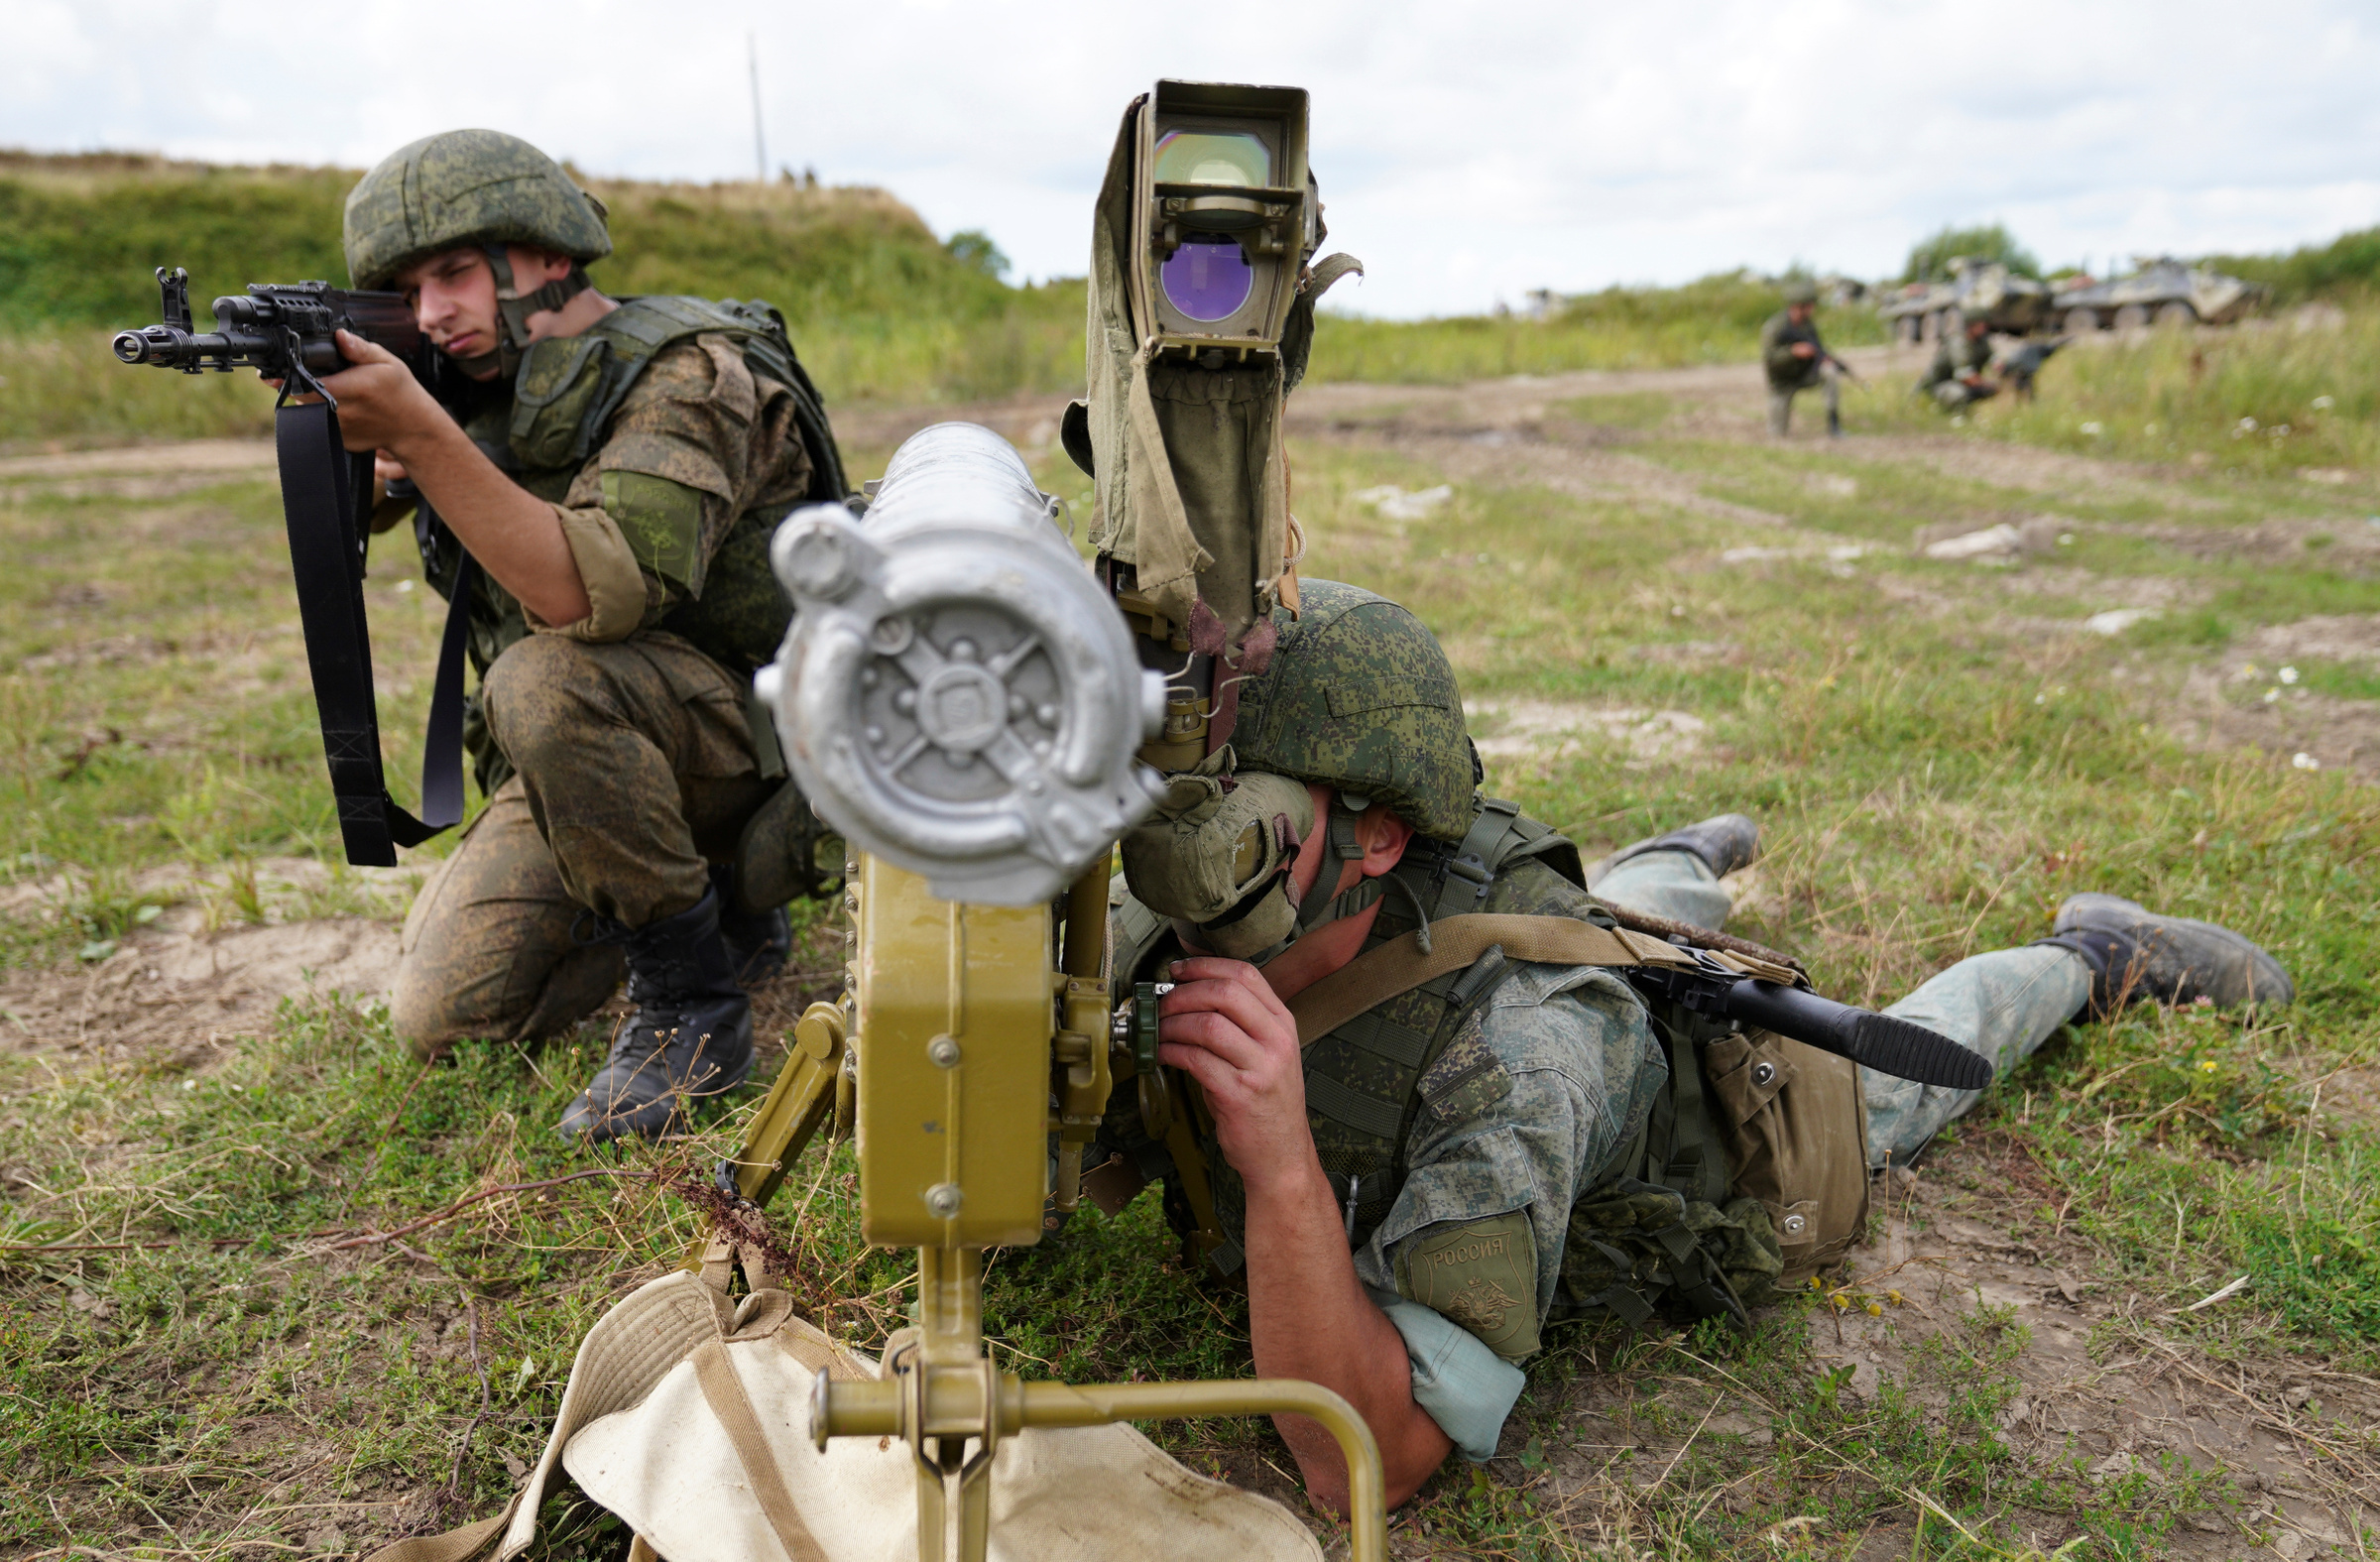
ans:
(2099, 1385)
(2242, 701)
(2330, 637)
(218, 949)
(2098, 1398)
(2007, 465)
(151, 471)
(176, 999)
(2350, 547)
(1533, 732)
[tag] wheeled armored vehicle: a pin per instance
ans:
(2166, 291)
(1925, 312)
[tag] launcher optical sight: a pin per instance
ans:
(1224, 213)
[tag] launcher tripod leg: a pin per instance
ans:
(798, 1105)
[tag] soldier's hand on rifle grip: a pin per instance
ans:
(1224, 1028)
(382, 407)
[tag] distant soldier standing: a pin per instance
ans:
(1796, 360)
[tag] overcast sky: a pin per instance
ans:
(1467, 153)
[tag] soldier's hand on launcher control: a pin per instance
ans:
(1224, 1028)
(1804, 350)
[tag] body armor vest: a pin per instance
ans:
(559, 408)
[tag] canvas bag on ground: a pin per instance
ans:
(687, 1416)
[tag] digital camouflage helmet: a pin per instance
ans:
(1358, 696)
(474, 188)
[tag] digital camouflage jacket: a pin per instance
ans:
(1957, 357)
(1777, 339)
(670, 439)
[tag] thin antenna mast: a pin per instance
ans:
(760, 147)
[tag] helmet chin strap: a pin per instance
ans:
(514, 308)
(1342, 847)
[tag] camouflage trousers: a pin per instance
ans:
(1780, 399)
(2002, 1005)
(634, 770)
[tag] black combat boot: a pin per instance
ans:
(758, 942)
(689, 1037)
(2135, 953)
(1725, 843)
(1834, 425)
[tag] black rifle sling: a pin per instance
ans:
(320, 503)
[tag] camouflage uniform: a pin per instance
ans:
(1525, 1109)
(1525, 1104)
(1956, 357)
(624, 737)
(1789, 373)
(1522, 1101)
(2001, 1004)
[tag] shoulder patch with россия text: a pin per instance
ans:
(1481, 1275)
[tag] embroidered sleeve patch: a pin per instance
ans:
(1467, 1079)
(1481, 1275)
(662, 522)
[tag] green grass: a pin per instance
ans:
(154, 705)
(879, 307)
(64, 388)
(2346, 267)
(2341, 679)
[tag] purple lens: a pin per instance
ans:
(1208, 279)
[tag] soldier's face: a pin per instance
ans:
(1798, 314)
(453, 294)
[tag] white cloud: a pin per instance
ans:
(1467, 152)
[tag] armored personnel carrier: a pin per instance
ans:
(1925, 312)
(2166, 291)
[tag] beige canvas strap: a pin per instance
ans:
(724, 1392)
(1398, 966)
(455, 1545)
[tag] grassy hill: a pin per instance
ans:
(880, 308)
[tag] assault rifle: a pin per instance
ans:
(288, 332)
(1746, 991)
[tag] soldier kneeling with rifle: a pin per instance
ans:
(1422, 1152)
(600, 493)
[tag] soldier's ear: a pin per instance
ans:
(1383, 835)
